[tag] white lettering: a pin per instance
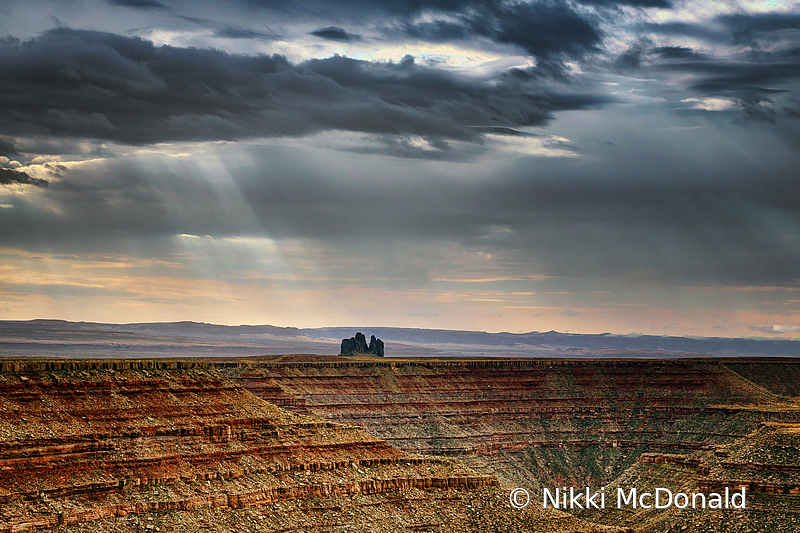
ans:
(661, 498)
(737, 495)
(553, 500)
(666, 493)
(573, 498)
(715, 500)
(685, 500)
(590, 499)
(694, 500)
(630, 500)
(641, 500)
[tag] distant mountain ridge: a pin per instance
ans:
(255, 339)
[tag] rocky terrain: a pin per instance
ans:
(159, 445)
(329, 444)
(700, 424)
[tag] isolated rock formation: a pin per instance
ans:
(375, 346)
(358, 346)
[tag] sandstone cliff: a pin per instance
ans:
(174, 446)
(547, 423)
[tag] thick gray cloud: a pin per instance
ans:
(10, 176)
(664, 4)
(224, 30)
(8, 148)
(762, 78)
(552, 29)
(665, 208)
(736, 28)
(543, 30)
(685, 29)
(752, 71)
(759, 22)
(333, 33)
(138, 4)
(352, 8)
(72, 83)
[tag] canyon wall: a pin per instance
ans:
(551, 423)
(154, 445)
(391, 445)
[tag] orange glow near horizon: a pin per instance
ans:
(125, 289)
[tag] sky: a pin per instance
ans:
(590, 166)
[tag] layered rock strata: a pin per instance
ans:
(146, 445)
(551, 423)
(765, 463)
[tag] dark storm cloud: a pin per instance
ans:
(333, 33)
(643, 53)
(634, 3)
(756, 77)
(684, 29)
(659, 216)
(762, 81)
(10, 176)
(138, 4)
(72, 83)
(355, 8)
(678, 53)
(542, 30)
(499, 130)
(631, 58)
(238, 32)
(7, 148)
(680, 216)
(407, 8)
(730, 28)
(663, 56)
(551, 30)
(225, 30)
(760, 22)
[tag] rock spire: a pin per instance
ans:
(358, 346)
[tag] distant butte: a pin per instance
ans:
(358, 346)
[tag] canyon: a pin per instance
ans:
(174, 445)
(701, 423)
(326, 444)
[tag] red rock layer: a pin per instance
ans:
(493, 412)
(82, 441)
